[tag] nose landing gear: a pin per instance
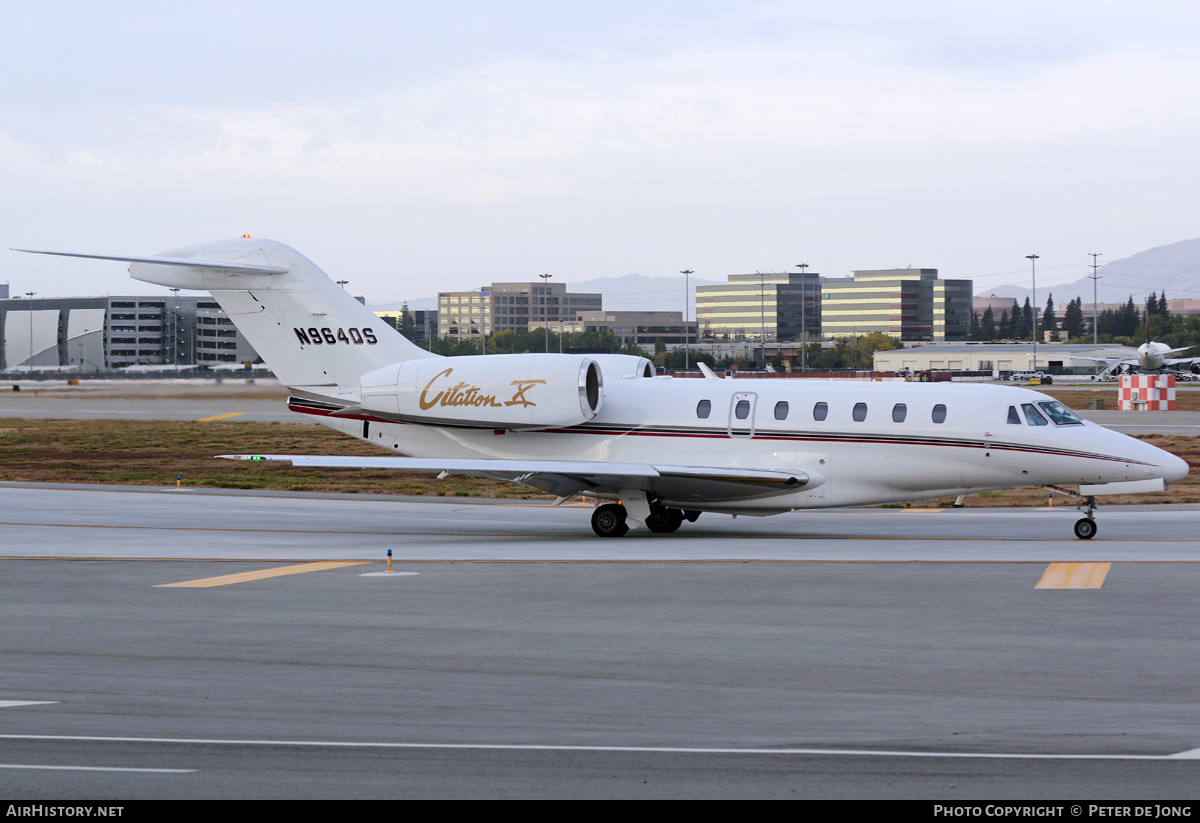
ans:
(1085, 527)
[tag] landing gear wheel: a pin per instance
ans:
(664, 521)
(609, 520)
(1085, 528)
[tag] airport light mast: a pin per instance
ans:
(30, 295)
(687, 332)
(803, 313)
(1032, 258)
(545, 321)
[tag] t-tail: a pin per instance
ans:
(314, 336)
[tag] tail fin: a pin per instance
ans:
(312, 333)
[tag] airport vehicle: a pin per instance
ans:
(647, 449)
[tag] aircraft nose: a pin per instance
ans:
(1170, 467)
(1174, 468)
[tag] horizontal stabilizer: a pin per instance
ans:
(219, 265)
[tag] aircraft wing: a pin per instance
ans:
(569, 477)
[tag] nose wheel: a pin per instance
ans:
(1085, 528)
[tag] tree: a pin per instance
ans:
(1049, 320)
(1022, 324)
(1152, 304)
(1073, 323)
(987, 325)
(1163, 311)
(975, 333)
(1004, 331)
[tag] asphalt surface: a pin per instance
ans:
(864, 653)
(952, 655)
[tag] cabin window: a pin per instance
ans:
(820, 411)
(899, 412)
(939, 413)
(703, 409)
(1033, 415)
(742, 410)
(1013, 417)
(860, 412)
(781, 410)
(1060, 414)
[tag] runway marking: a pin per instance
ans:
(261, 574)
(1074, 576)
(220, 417)
(94, 769)
(537, 747)
(8, 704)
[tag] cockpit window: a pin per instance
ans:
(1013, 416)
(1060, 414)
(1033, 415)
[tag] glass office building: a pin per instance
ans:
(781, 305)
(909, 304)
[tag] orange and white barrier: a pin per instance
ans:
(1147, 392)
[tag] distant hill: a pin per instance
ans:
(1174, 269)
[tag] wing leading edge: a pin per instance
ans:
(569, 477)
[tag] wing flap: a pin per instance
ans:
(567, 477)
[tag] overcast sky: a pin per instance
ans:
(417, 147)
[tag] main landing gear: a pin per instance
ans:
(609, 520)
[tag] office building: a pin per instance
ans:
(781, 305)
(909, 304)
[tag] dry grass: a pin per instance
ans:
(1079, 398)
(155, 452)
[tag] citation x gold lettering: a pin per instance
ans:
(464, 394)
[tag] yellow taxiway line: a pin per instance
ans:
(219, 417)
(261, 574)
(1074, 576)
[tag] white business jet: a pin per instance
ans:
(647, 449)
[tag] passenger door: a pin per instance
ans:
(741, 414)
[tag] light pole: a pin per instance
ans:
(343, 283)
(687, 331)
(546, 323)
(762, 319)
(485, 304)
(803, 314)
(1095, 309)
(175, 330)
(1032, 258)
(30, 295)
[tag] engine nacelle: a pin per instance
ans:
(503, 391)
(624, 365)
(1195, 367)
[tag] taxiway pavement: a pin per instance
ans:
(850, 653)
